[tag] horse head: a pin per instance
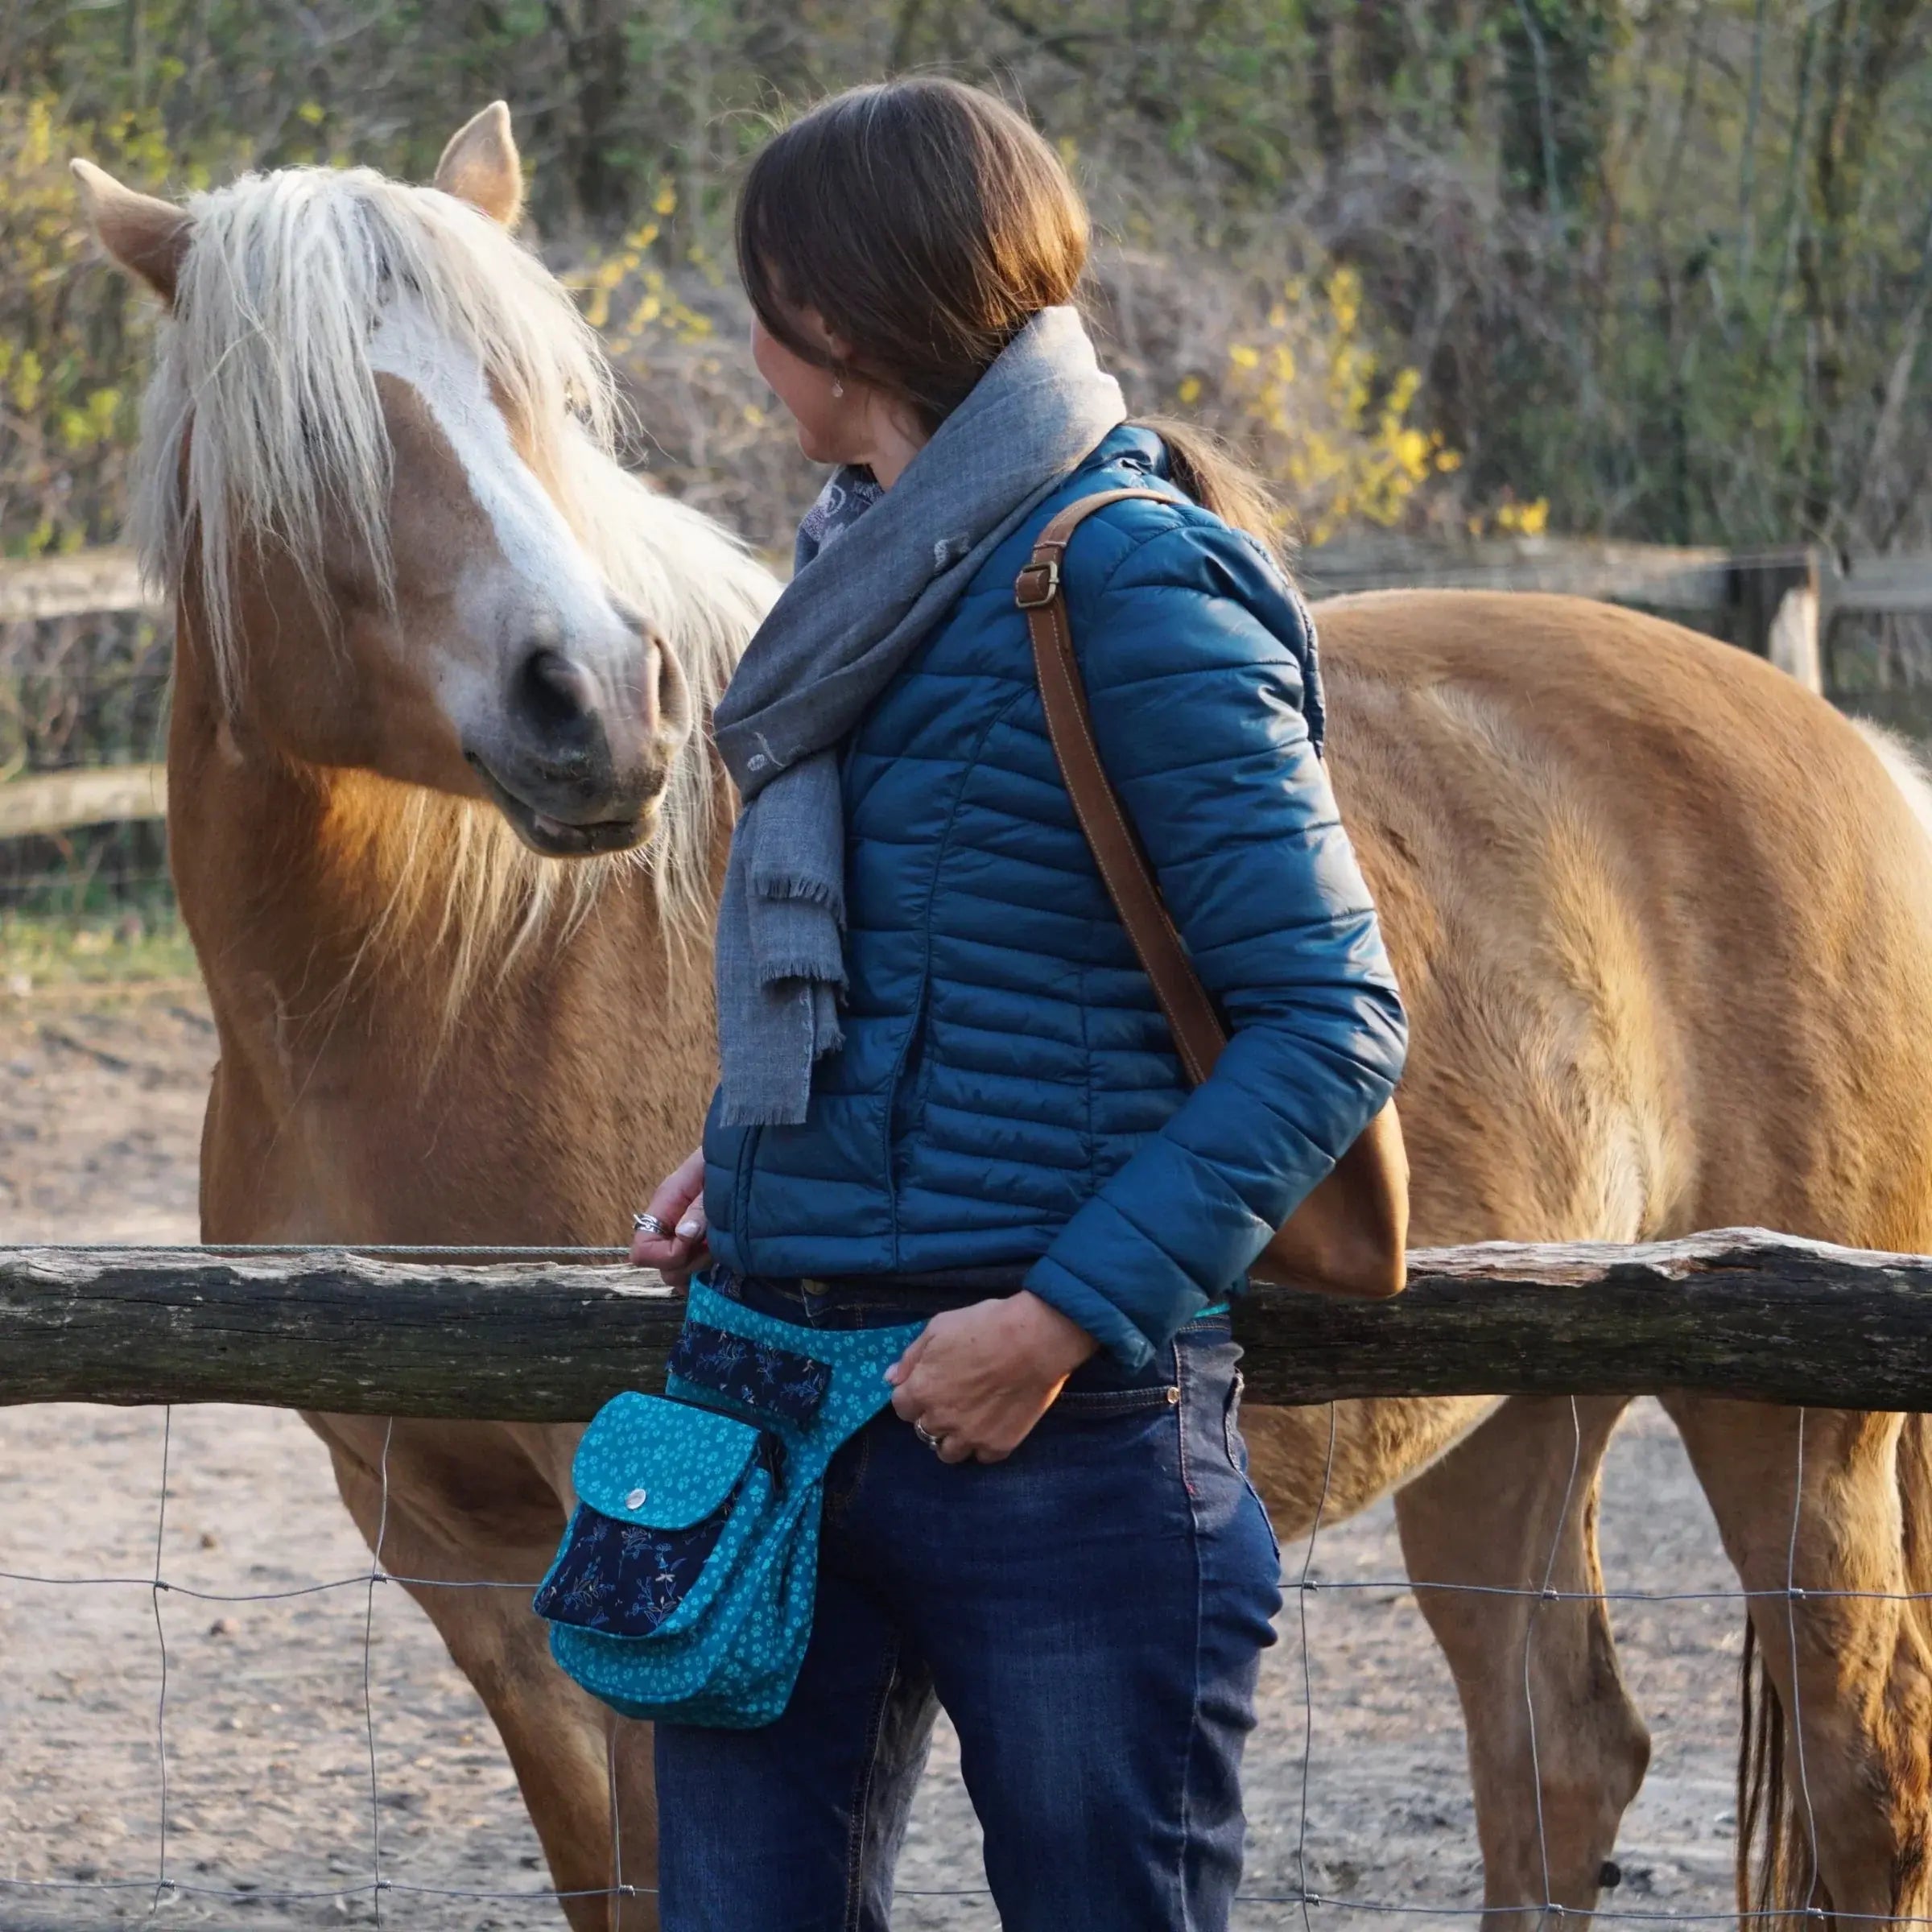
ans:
(376, 474)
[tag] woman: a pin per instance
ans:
(947, 1092)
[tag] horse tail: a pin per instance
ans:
(1905, 766)
(1908, 771)
(1776, 1872)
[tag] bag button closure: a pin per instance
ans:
(636, 1499)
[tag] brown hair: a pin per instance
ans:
(927, 223)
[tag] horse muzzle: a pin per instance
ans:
(576, 762)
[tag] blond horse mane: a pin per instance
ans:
(266, 355)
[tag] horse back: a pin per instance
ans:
(1662, 917)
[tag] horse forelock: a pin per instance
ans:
(267, 354)
(285, 277)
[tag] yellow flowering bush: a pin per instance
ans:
(1298, 383)
(1516, 519)
(626, 293)
(708, 429)
(1310, 399)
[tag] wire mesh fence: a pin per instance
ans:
(1358, 1801)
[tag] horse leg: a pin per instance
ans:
(1819, 1510)
(1557, 1750)
(570, 1755)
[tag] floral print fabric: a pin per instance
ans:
(752, 1375)
(625, 1578)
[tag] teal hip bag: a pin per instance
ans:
(683, 1588)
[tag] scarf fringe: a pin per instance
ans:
(811, 968)
(799, 888)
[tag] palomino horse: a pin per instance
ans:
(1664, 922)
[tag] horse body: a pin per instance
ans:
(1663, 922)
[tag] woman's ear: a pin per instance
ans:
(822, 332)
(147, 237)
(481, 166)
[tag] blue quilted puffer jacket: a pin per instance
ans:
(1008, 1097)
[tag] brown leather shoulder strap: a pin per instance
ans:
(1129, 879)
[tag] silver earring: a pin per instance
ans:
(838, 388)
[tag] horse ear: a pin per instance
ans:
(147, 237)
(481, 166)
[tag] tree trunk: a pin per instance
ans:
(591, 35)
(1556, 56)
(1324, 82)
(1863, 41)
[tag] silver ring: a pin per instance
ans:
(934, 1442)
(649, 1225)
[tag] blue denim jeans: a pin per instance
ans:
(1090, 1613)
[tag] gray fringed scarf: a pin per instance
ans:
(851, 616)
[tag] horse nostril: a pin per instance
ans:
(555, 695)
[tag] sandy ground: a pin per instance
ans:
(276, 1704)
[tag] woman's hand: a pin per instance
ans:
(979, 1378)
(678, 1204)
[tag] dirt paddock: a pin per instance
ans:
(275, 1703)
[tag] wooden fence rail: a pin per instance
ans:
(104, 580)
(1778, 603)
(1660, 576)
(1739, 1312)
(58, 801)
(1663, 575)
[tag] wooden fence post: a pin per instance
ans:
(1776, 599)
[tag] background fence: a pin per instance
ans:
(84, 665)
(84, 672)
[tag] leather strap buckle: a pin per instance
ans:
(1037, 583)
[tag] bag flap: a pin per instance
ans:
(647, 1459)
